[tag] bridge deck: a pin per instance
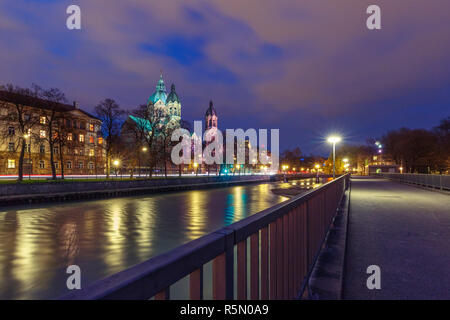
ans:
(406, 232)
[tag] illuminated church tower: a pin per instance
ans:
(211, 117)
(166, 106)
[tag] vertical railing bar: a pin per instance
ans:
(265, 263)
(196, 284)
(286, 256)
(242, 270)
(273, 261)
(163, 295)
(279, 250)
(254, 266)
(219, 281)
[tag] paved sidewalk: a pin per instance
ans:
(406, 232)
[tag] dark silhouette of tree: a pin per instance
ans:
(109, 112)
(49, 119)
(17, 102)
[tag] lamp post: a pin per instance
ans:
(26, 136)
(317, 166)
(144, 149)
(196, 169)
(116, 164)
(333, 140)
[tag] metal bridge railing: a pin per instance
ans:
(284, 243)
(435, 181)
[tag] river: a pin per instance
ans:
(102, 237)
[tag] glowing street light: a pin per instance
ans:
(334, 140)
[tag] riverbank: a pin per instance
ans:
(11, 194)
(68, 190)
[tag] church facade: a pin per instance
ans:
(167, 107)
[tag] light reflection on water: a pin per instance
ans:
(103, 237)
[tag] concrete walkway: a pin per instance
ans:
(406, 232)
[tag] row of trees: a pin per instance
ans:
(416, 150)
(17, 114)
(420, 150)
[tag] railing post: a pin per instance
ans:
(285, 249)
(273, 260)
(196, 284)
(242, 270)
(219, 281)
(254, 266)
(223, 269)
(265, 263)
(163, 295)
(279, 250)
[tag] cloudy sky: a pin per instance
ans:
(306, 67)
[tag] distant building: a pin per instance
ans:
(82, 149)
(165, 108)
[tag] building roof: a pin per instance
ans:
(34, 102)
(172, 97)
(160, 93)
(142, 123)
(211, 111)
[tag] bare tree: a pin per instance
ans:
(110, 114)
(49, 119)
(17, 103)
(62, 138)
(151, 125)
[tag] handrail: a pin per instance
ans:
(296, 229)
(435, 181)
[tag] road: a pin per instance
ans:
(406, 232)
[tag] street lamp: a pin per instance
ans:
(144, 149)
(26, 136)
(196, 170)
(333, 140)
(116, 164)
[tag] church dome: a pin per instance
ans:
(160, 93)
(173, 97)
(211, 111)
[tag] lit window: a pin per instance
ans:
(42, 148)
(69, 137)
(42, 133)
(41, 164)
(91, 152)
(42, 120)
(91, 127)
(11, 164)
(69, 164)
(56, 165)
(91, 139)
(100, 140)
(80, 165)
(81, 136)
(91, 165)
(55, 150)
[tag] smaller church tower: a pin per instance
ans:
(211, 117)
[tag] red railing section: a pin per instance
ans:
(284, 243)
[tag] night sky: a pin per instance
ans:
(309, 68)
